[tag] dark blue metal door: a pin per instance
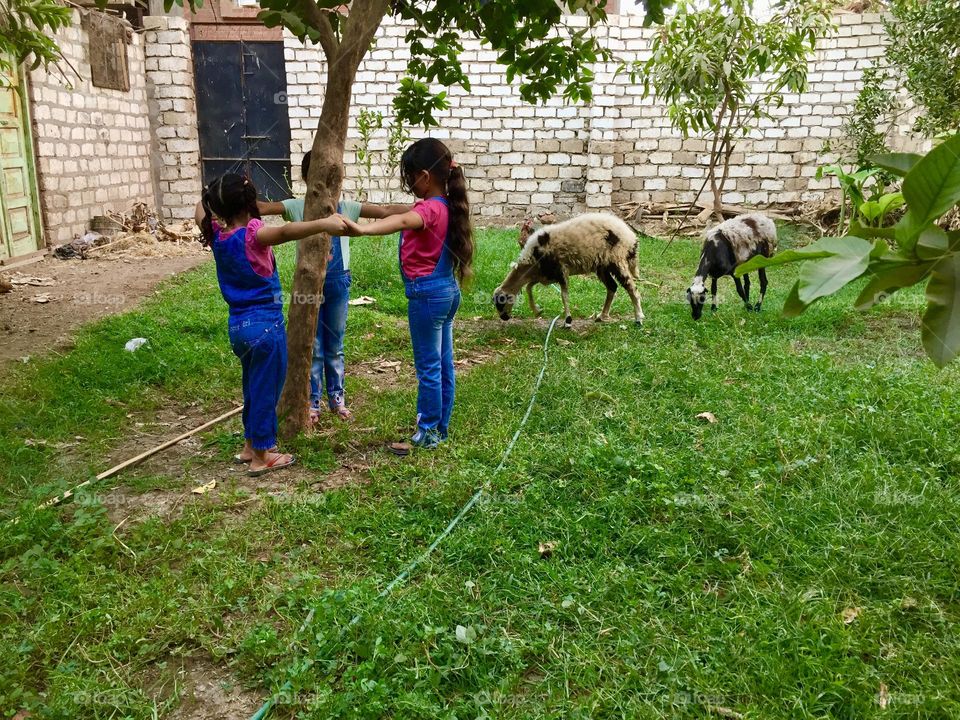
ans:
(242, 113)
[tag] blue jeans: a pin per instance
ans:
(328, 345)
(259, 339)
(430, 311)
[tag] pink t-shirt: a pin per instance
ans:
(259, 256)
(420, 249)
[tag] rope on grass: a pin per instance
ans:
(408, 570)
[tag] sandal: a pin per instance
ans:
(400, 449)
(273, 465)
(240, 460)
(342, 412)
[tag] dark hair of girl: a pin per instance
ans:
(227, 197)
(433, 156)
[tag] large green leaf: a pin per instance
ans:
(793, 306)
(825, 276)
(863, 231)
(822, 248)
(889, 278)
(896, 163)
(941, 322)
(933, 185)
(932, 244)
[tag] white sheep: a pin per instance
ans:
(729, 244)
(592, 243)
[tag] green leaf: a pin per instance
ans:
(897, 163)
(793, 305)
(933, 185)
(888, 280)
(932, 244)
(828, 275)
(941, 322)
(822, 248)
(860, 230)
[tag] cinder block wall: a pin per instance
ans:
(92, 144)
(172, 99)
(565, 158)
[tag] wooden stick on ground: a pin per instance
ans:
(138, 459)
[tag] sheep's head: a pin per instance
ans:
(526, 227)
(697, 297)
(503, 301)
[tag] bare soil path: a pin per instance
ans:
(83, 291)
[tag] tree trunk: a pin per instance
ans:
(323, 191)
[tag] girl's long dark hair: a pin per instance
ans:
(433, 156)
(227, 197)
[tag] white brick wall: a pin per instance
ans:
(619, 148)
(92, 144)
(176, 144)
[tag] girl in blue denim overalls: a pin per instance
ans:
(327, 369)
(436, 249)
(247, 274)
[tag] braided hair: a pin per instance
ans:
(227, 197)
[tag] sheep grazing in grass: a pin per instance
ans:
(592, 243)
(727, 245)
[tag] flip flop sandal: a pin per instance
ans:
(400, 449)
(272, 466)
(241, 461)
(342, 412)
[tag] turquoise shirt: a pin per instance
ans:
(339, 246)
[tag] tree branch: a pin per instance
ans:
(320, 21)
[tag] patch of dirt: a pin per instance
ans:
(82, 291)
(208, 692)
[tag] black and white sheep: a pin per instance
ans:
(591, 243)
(727, 245)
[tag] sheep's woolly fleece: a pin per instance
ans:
(746, 233)
(581, 244)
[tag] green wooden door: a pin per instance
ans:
(19, 209)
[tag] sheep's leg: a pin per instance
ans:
(713, 294)
(611, 284)
(565, 296)
(739, 285)
(746, 292)
(625, 278)
(533, 303)
(762, 274)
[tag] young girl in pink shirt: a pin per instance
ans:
(436, 251)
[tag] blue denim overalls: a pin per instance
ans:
(327, 368)
(257, 335)
(433, 301)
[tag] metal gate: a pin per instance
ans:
(19, 206)
(242, 113)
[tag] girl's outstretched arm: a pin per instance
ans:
(405, 221)
(370, 210)
(276, 235)
(267, 207)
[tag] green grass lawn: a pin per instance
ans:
(796, 559)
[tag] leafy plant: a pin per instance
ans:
(368, 122)
(874, 212)
(923, 251)
(721, 71)
(26, 30)
(868, 126)
(923, 49)
(852, 185)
